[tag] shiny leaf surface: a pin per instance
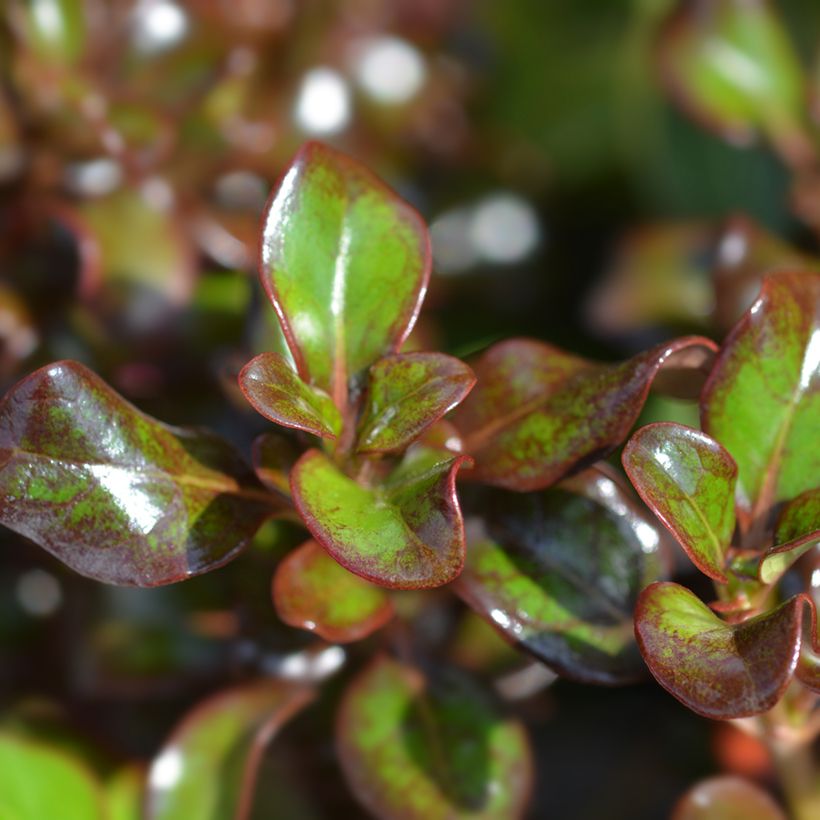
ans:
(345, 262)
(538, 413)
(207, 768)
(312, 591)
(718, 670)
(731, 66)
(275, 391)
(413, 749)
(797, 531)
(406, 394)
(37, 781)
(727, 798)
(762, 399)
(406, 534)
(558, 572)
(115, 494)
(688, 480)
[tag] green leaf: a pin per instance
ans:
(538, 413)
(273, 457)
(275, 391)
(124, 793)
(407, 393)
(437, 750)
(37, 782)
(312, 591)
(717, 669)
(55, 30)
(406, 534)
(731, 66)
(762, 399)
(797, 531)
(115, 494)
(207, 767)
(727, 798)
(345, 263)
(688, 480)
(558, 573)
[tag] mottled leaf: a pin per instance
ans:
(797, 531)
(413, 749)
(406, 534)
(731, 66)
(275, 391)
(115, 494)
(537, 413)
(762, 399)
(406, 394)
(207, 767)
(558, 572)
(312, 591)
(345, 262)
(38, 782)
(717, 669)
(688, 480)
(727, 798)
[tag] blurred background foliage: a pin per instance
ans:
(569, 199)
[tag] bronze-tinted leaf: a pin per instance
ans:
(727, 798)
(406, 394)
(273, 457)
(538, 413)
(207, 767)
(115, 494)
(312, 591)
(406, 533)
(717, 669)
(762, 399)
(558, 572)
(417, 749)
(688, 480)
(797, 531)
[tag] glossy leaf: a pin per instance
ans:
(797, 531)
(727, 798)
(345, 262)
(207, 767)
(275, 391)
(558, 572)
(762, 399)
(538, 413)
(406, 534)
(37, 781)
(717, 669)
(731, 65)
(413, 749)
(688, 480)
(406, 394)
(115, 494)
(312, 591)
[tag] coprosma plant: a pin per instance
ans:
(556, 549)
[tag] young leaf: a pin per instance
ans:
(762, 399)
(558, 572)
(418, 750)
(727, 798)
(207, 767)
(275, 391)
(407, 393)
(797, 531)
(37, 781)
(538, 413)
(345, 262)
(115, 494)
(688, 480)
(312, 591)
(717, 669)
(407, 534)
(732, 66)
